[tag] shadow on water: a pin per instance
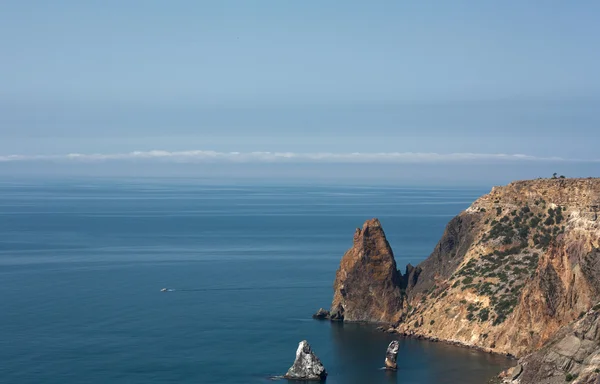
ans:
(359, 351)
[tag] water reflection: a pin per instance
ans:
(359, 353)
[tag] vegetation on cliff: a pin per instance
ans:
(521, 265)
(508, 273)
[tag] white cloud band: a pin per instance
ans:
(270, 157)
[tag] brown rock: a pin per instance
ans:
(511, 270)
(517, 271)
(573, 353)
(367, 283)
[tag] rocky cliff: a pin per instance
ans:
(512, 269)
(571, 355)
(508, 273)
(367, 283)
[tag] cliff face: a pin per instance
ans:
(571, 355)
(447, 255)
(367, 284)
(512, 269)
(508, 273)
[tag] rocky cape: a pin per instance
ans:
(509, 273)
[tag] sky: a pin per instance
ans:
(411, 91)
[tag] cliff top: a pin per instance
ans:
(593, 182)
(572, 192)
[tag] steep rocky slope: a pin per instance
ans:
(571, 355)
(367, 283)
(511, 270)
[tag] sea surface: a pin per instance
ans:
(83, 262)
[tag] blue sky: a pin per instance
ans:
(436, 78)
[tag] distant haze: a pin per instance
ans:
(392, 92)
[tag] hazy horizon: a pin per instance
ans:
(341, 92)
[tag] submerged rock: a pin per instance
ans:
(391, 355)
(321, 314)
(307, 365)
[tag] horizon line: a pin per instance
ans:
(199, 156)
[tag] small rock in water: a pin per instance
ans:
(321, 314)
(307, 365)
(391, 355)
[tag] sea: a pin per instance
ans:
(83, 263)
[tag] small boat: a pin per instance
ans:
(164, 290)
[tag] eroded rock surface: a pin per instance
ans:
(511, 270)
(367, 283)
(391, 355)
(572, 355)
(307, 365)
(508, 275)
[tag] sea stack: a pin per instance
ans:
(307, 365)
(517, 273)
(391, 355)
(367, 283)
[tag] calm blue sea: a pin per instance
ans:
(82, 263)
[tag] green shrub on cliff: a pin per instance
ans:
(570, 377)
(533, 223)
(484, 314)
(558, 219)
(504, 307)
(486, 289)
(499, 320)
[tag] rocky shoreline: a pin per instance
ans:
(509, 274)
(323, 314)
(456, 343)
